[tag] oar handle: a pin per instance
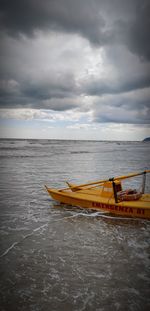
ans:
(132, 175)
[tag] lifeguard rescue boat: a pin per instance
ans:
(107, 196)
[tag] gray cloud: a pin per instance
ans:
(46, 58)
(57, 86)
(134, 33)
(130, 108)
(103, 86)
(95, 20)
(51, 93)
(27, 16)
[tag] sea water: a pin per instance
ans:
(58, 258)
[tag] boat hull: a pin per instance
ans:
(136, 209)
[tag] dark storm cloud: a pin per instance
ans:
(50, 92)
(102, 86)
(27, 16)
(43, 75)
(135, 33)
(122, 109)
(89, 18)
(61, 86)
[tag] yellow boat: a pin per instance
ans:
(107, 196)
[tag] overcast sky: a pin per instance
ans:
(75, 69)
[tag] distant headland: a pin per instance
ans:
(146, 139)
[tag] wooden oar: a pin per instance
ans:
(85, 185)
(132, 175)
(105, 180)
